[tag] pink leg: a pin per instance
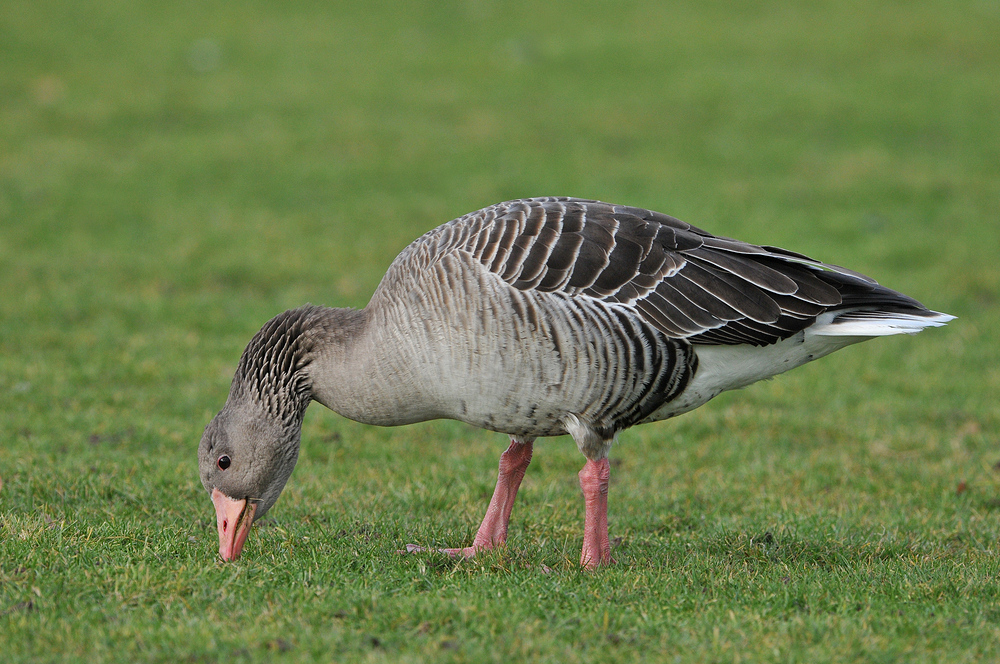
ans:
(493, 531)
(594, 480)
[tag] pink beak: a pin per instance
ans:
(234, 518)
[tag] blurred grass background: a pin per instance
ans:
(173, 174)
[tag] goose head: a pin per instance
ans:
(245, 458)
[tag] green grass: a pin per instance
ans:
(173, 174)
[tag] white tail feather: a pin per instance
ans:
(875, 323)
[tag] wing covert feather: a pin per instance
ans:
(681, 280)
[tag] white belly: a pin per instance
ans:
(722, 368)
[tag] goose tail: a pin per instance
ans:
(877, 322)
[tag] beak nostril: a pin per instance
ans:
(225, 524)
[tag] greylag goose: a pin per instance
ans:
(533, 318)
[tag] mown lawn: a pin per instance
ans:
(173, 174)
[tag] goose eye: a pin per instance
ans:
(224, 462)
